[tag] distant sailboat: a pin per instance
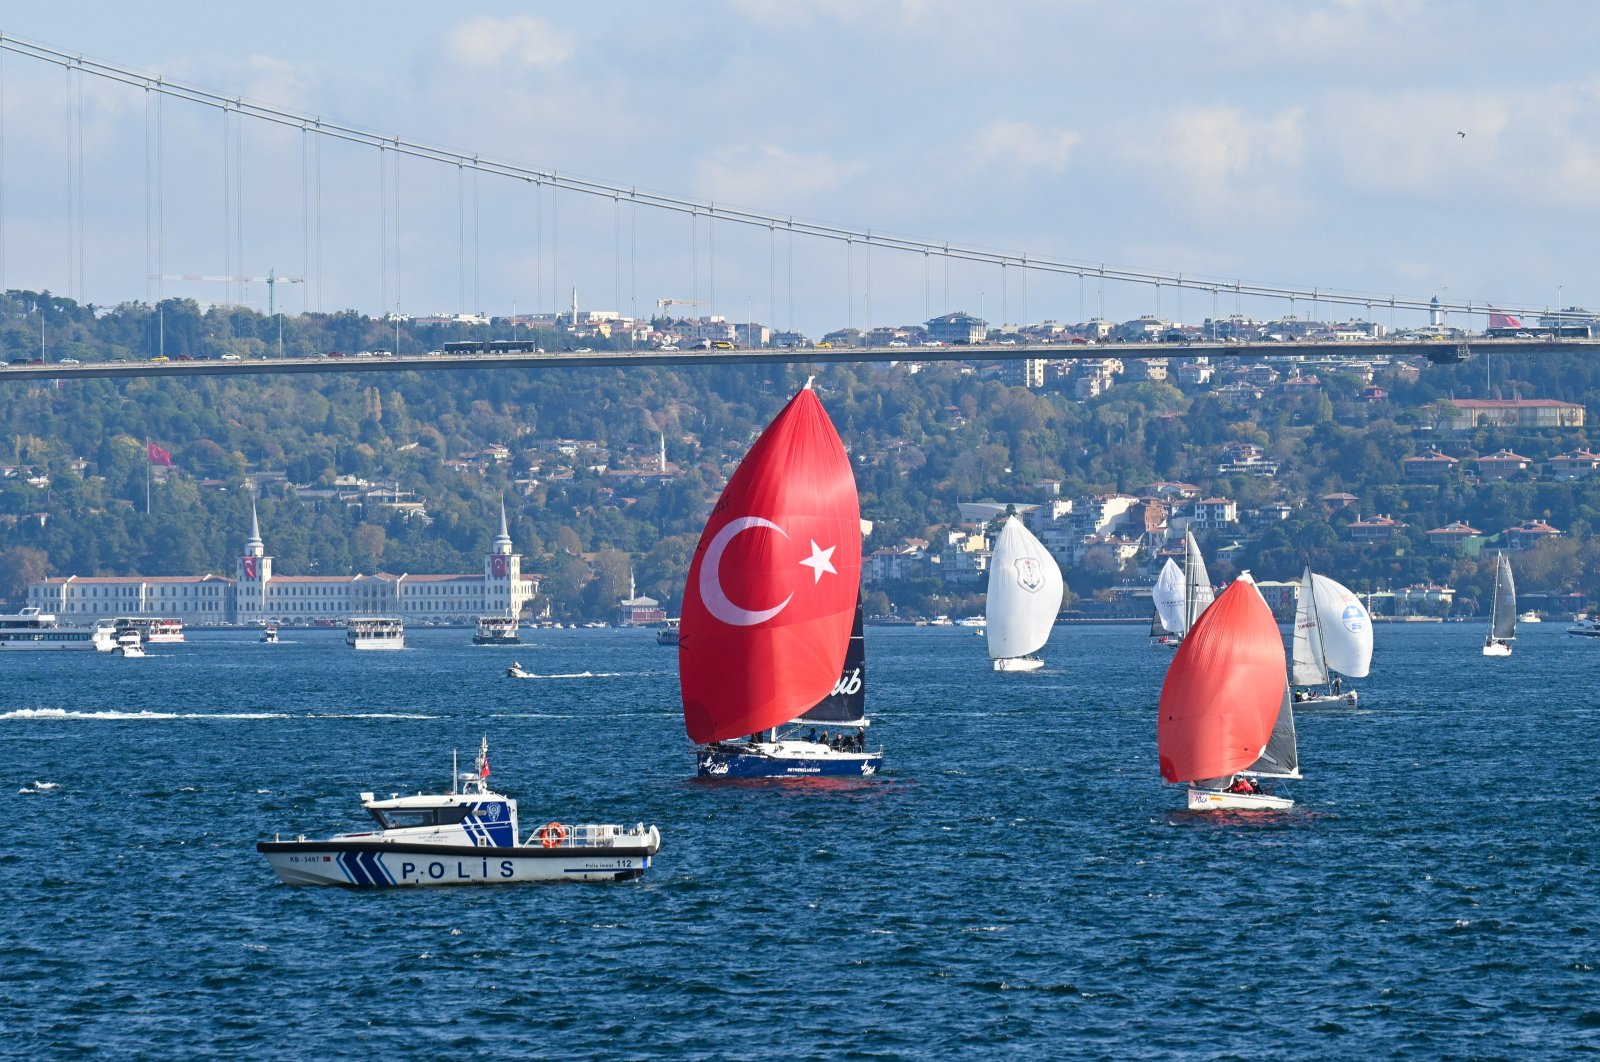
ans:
(1225, 715)
(1197, 592)
(1332, 638)
(1502, 611)
(1025, 592)
(1168, 596)
(769, 608)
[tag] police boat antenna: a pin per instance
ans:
(455, 773)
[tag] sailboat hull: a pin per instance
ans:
(1328, 700)
(1018, 663)
(1220, 800)
(784, 759)
(1494, 648)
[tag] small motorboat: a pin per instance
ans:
(270, 635)
(129, 643)
(465, 837)
(1585, 626)
(516, 671)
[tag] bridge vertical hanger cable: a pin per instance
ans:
(238, 199)
(461, 233)
(72, 212)
(694, 256)
(711, 250)
(772, 274)
(383, 229)
(866, 305)
(633, 271)
(790, 272)
(394, 186)
(305, 216)
(616, 252)
(83, 216)
(477, 256)
(316, 145)
(161, 202)
(227, 210)
(1005, 296)
(538, 245)
(149, 191)
(850, 283)
(555, 251)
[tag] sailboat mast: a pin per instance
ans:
(1322, 644)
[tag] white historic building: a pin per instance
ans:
(255, 595)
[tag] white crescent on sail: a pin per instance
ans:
(1025, 593)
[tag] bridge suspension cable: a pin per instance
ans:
(328, 128)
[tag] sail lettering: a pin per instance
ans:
(848, 685)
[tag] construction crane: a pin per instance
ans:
(271, 280)
(662, 304)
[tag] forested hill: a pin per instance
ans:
(580, 444)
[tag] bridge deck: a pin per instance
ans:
(1434, 350)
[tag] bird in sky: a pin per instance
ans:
(1460, 134)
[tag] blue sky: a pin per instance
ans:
(1299, 144)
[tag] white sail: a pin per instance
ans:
(1169, 597)
(1197, 590)
(1309, 668)
(1346, 628)
(1503, 613)
(1025, 592)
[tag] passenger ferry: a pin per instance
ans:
(375, 632)
(152, 631)
(496, 630)
(32, 630)
(468, 836)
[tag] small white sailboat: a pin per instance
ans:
(1226, 718)
(1502, 611)
(1168, 595)
(1025, 593)
(1332, 641)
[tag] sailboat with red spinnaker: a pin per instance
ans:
(1226, 719)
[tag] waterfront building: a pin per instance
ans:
(1513, 413)
(257, 595)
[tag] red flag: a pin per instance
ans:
(483, 765)
(157, 455)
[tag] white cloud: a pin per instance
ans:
(1218, 158)
(518, 41)
(767, 177)
(1012, 144)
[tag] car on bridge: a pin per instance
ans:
(19, 361)
(230, 357)
(160, 357)
(69, 361)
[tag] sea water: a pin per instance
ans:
(1018, 880)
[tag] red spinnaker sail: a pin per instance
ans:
(1223, 689)
(772, 588)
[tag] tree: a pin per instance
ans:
(19, 567)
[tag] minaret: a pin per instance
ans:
(254, 574)
(1435, 314)
(574, 306)
(663, 451)
(502, 573)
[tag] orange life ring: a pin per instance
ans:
(552, 834)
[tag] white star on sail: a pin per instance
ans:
(821, 560)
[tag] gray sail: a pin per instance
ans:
(1503, 617)
(1281, 757)
(848, 701)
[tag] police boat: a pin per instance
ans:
(465, 837)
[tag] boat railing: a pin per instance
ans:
(588, 835)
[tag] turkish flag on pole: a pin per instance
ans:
(158, 456)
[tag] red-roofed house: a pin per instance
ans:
(1574, 464)
(1502, 464)
(1453, 537)
(1527, 535)
(1377, 529)
(1514, 412)
(1431, 465)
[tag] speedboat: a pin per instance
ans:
(515, 671)
(668, 635)
(129, 644)
(465, 837)
(1585, 626)
(270, 635)
(1529, 616)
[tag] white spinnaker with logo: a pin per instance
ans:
(1169, 597)
(1025, 592)
(1332, 632)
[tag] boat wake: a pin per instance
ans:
(576, 675)
(113, 716)
(38, 787)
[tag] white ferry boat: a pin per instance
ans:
(32, 630)
(375, 632)
(152, 631)
(496, 630)
(465, 837)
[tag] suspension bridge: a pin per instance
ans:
(274, 194)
